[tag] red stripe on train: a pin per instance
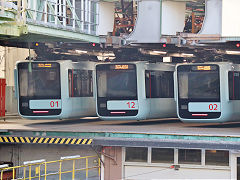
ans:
(199, 114)
(40, 111)
(122, 112)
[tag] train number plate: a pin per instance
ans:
(45, 104)
(204, 107)
(122, 105)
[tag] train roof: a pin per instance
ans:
(230, 66)
(205, 63)
(136, 62)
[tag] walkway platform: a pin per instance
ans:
(93, 131)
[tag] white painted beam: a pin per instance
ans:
(222, 17)
(213, 17)
(156, 18)
(106, 18)
(230, 18)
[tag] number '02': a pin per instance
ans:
(131, 105)
(53, 104)
(212, 107)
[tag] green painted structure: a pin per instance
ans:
(137, 139)
(41, 21)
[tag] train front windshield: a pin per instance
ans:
(116, 85)
(38, 81)
(198, 91)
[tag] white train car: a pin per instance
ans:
(55, 89)
(208, 92)
(135, 91)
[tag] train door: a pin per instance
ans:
(159, 89)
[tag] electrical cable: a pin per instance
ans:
(125, 178)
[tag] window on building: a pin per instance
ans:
(136, 154)
(162, 155)
(238, 168)
(234, 85)
(80, 83)
(189, 156)
(217, 157)
(159, 84)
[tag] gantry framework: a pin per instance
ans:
(44, 20)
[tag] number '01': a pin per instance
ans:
(53, 104)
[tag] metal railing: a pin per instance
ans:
(9, 7)
(68, 168)
(74, 15)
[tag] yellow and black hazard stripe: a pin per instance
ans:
(45, 140)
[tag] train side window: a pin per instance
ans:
(162, 155)
(189, 156)
(136, 154)
(80, 83)
(234, 85)
(24, 90)
(159, 84)
(217, 157)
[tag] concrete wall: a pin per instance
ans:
(11, 56)
(8, 58)
(11, 100)
(2, 61)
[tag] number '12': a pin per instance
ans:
(131, 104)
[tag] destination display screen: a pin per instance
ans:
(121, 66)
(44, 65)
(204, 68)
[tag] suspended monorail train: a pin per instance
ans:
(55, 89)
(135, 91)
(208, 92)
